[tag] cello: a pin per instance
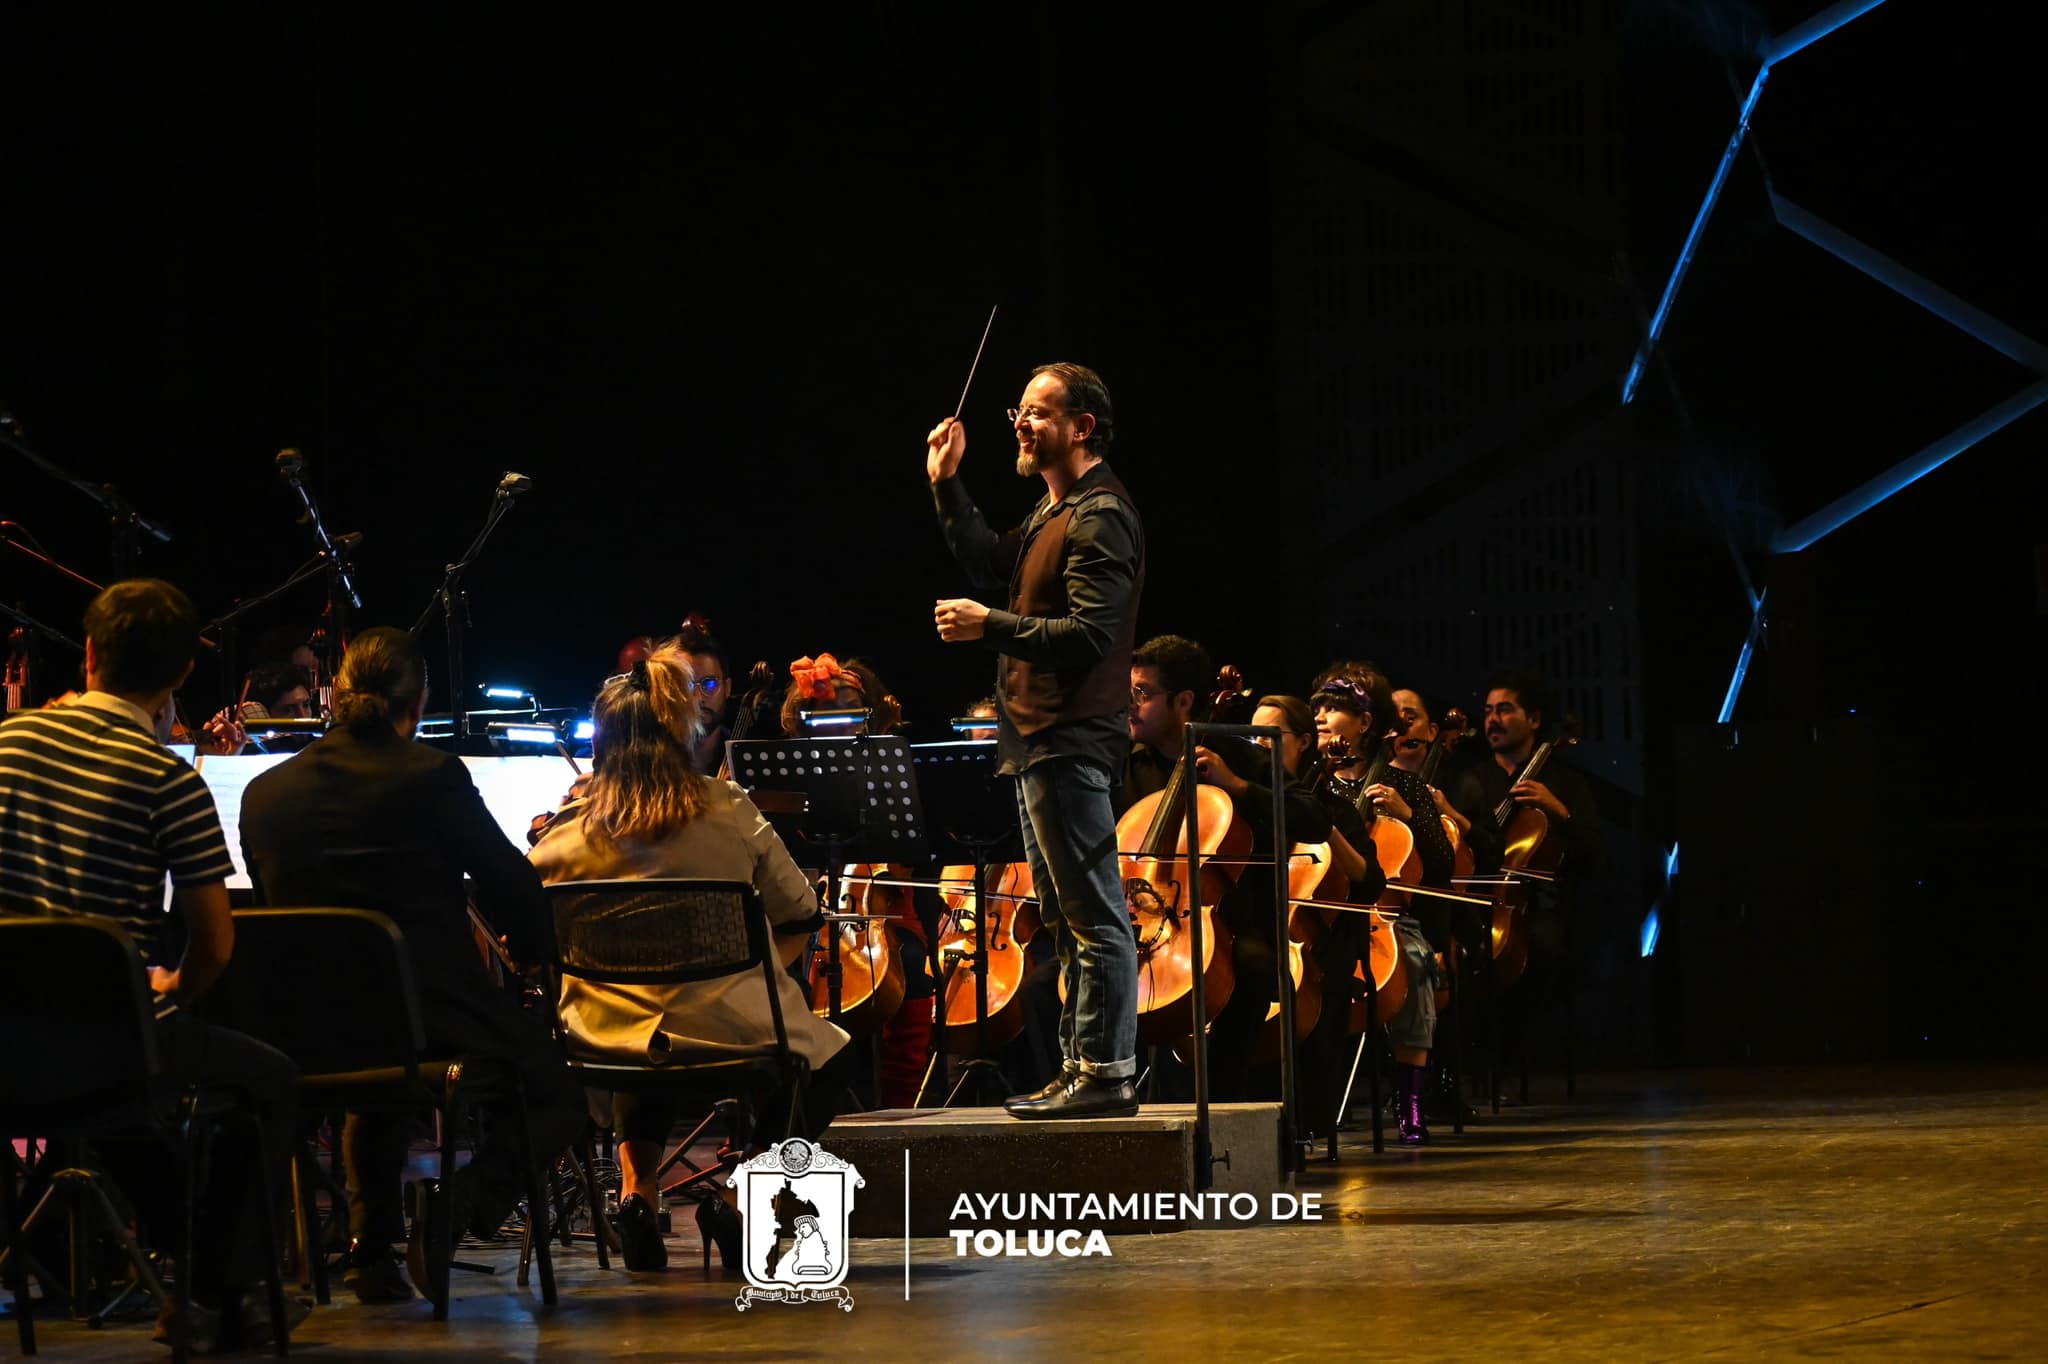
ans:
(872, 979)
(1311, 875)
(1012, 923)
(1526, 846)
(1152, 844)
(1393, 847)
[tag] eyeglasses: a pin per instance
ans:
(1033, 413)
(1140, 693)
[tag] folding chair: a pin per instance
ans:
(334, 990)
(672, 932)
(81, 1063)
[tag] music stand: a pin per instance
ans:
(981, 819)
(860, 805)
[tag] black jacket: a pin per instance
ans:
(379, 822)
(1074, 572)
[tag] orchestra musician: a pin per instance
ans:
(1460, 797)
(94, 813)
(1461, 801)
(1354, 708)
(649, 813)
(1324, 1054)
(984, 709)
(1075, 571)
(368, 818)
(1171, 681)
(906, 1041)
(1518, 716)
(713, 682)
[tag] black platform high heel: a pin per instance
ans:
(718, 1221)
(640, 1235)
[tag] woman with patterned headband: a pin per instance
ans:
(1355, 719)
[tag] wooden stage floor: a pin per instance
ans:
(1895, 1213)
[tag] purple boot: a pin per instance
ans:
(1408, 1082)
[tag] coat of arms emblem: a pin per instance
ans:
(796, 1203)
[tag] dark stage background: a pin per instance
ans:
(1351, 272)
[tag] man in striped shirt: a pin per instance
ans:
(94, 812)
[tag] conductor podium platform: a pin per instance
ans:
(986, 1152)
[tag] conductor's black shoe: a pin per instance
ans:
(1052, 1087)
(1081, 1096)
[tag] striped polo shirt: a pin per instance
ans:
(93, 813)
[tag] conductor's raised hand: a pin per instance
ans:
(943, 449)
(960, 618)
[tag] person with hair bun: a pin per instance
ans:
(647, 812)
(369, 819)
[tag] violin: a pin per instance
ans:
(872, 980)
(1527, 846)
(1152, 842)
(1012, 922)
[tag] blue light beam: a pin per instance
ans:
(1849, 506)
(1756, 631)
(1795, 39)
(1692, 240)
(1958, 313)
(1818, 27)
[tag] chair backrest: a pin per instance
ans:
(667, 931)
(77, 1025)
(655, 932)
(331, 988)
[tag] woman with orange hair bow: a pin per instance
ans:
(823, 683)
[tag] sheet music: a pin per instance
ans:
(227, 778)
(517, 789)
(514, 790)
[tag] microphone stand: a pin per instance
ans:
(450, 595)
(225, 622)
(11, 530)
(124, 522)
(35, 550)
(289, 466)
(28, 622)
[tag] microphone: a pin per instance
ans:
(511, 485)
(290, 464)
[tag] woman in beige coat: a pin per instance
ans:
(648, 813)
